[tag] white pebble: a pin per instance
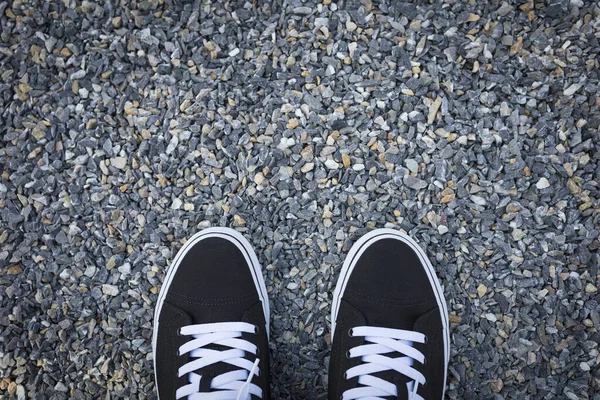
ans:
(90, 271)
(176, 204)
(307, 167)
(542, 183)
(352, 48)
(110, 290)
(491, 317)
(65, 274)
(172, 145)
(118, 162)
(478, 200)
(412, 165)
(125, 269)
(331, 164)
(570, 91)
(21, 393)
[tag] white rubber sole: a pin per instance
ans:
(356, 251)
(248, 252)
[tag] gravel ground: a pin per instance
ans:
(128, 127)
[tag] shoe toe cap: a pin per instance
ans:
(213, 268)
(390, 270)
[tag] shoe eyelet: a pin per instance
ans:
(426, 340)
(179, 332)
(257, 352)
(350, 333)
(424, 361)
(424, 384)
(348, 354)
(255, 330)
(346, 375)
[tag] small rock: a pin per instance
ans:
(176, 205)
(21, 392)
(491, 317)
(504, 109)
(14, 269)
(481, 290)
(518, 234)
(584, 366)
(331, 164)
(414, 183)
(110, 290)
(352, 49)
(90, 271)
(496, 385)
(570, 91)
(307, 167)
(328, 92)
(302, 10)
(346, 160)
(480, 201)
(412, 165)
(433, 109)
(542, 183)
(172, 145)
(259, 178)
(504, 9)
(118, 162)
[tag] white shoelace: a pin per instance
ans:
(234, 385)
(383, 341)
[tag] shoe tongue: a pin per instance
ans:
(390, 317)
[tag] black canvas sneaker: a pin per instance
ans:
(211, 322)
(389, 323)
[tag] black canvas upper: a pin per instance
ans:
(213, 283)
(389, 288)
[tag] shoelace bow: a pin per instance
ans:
(383, 341)
(233, 385)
